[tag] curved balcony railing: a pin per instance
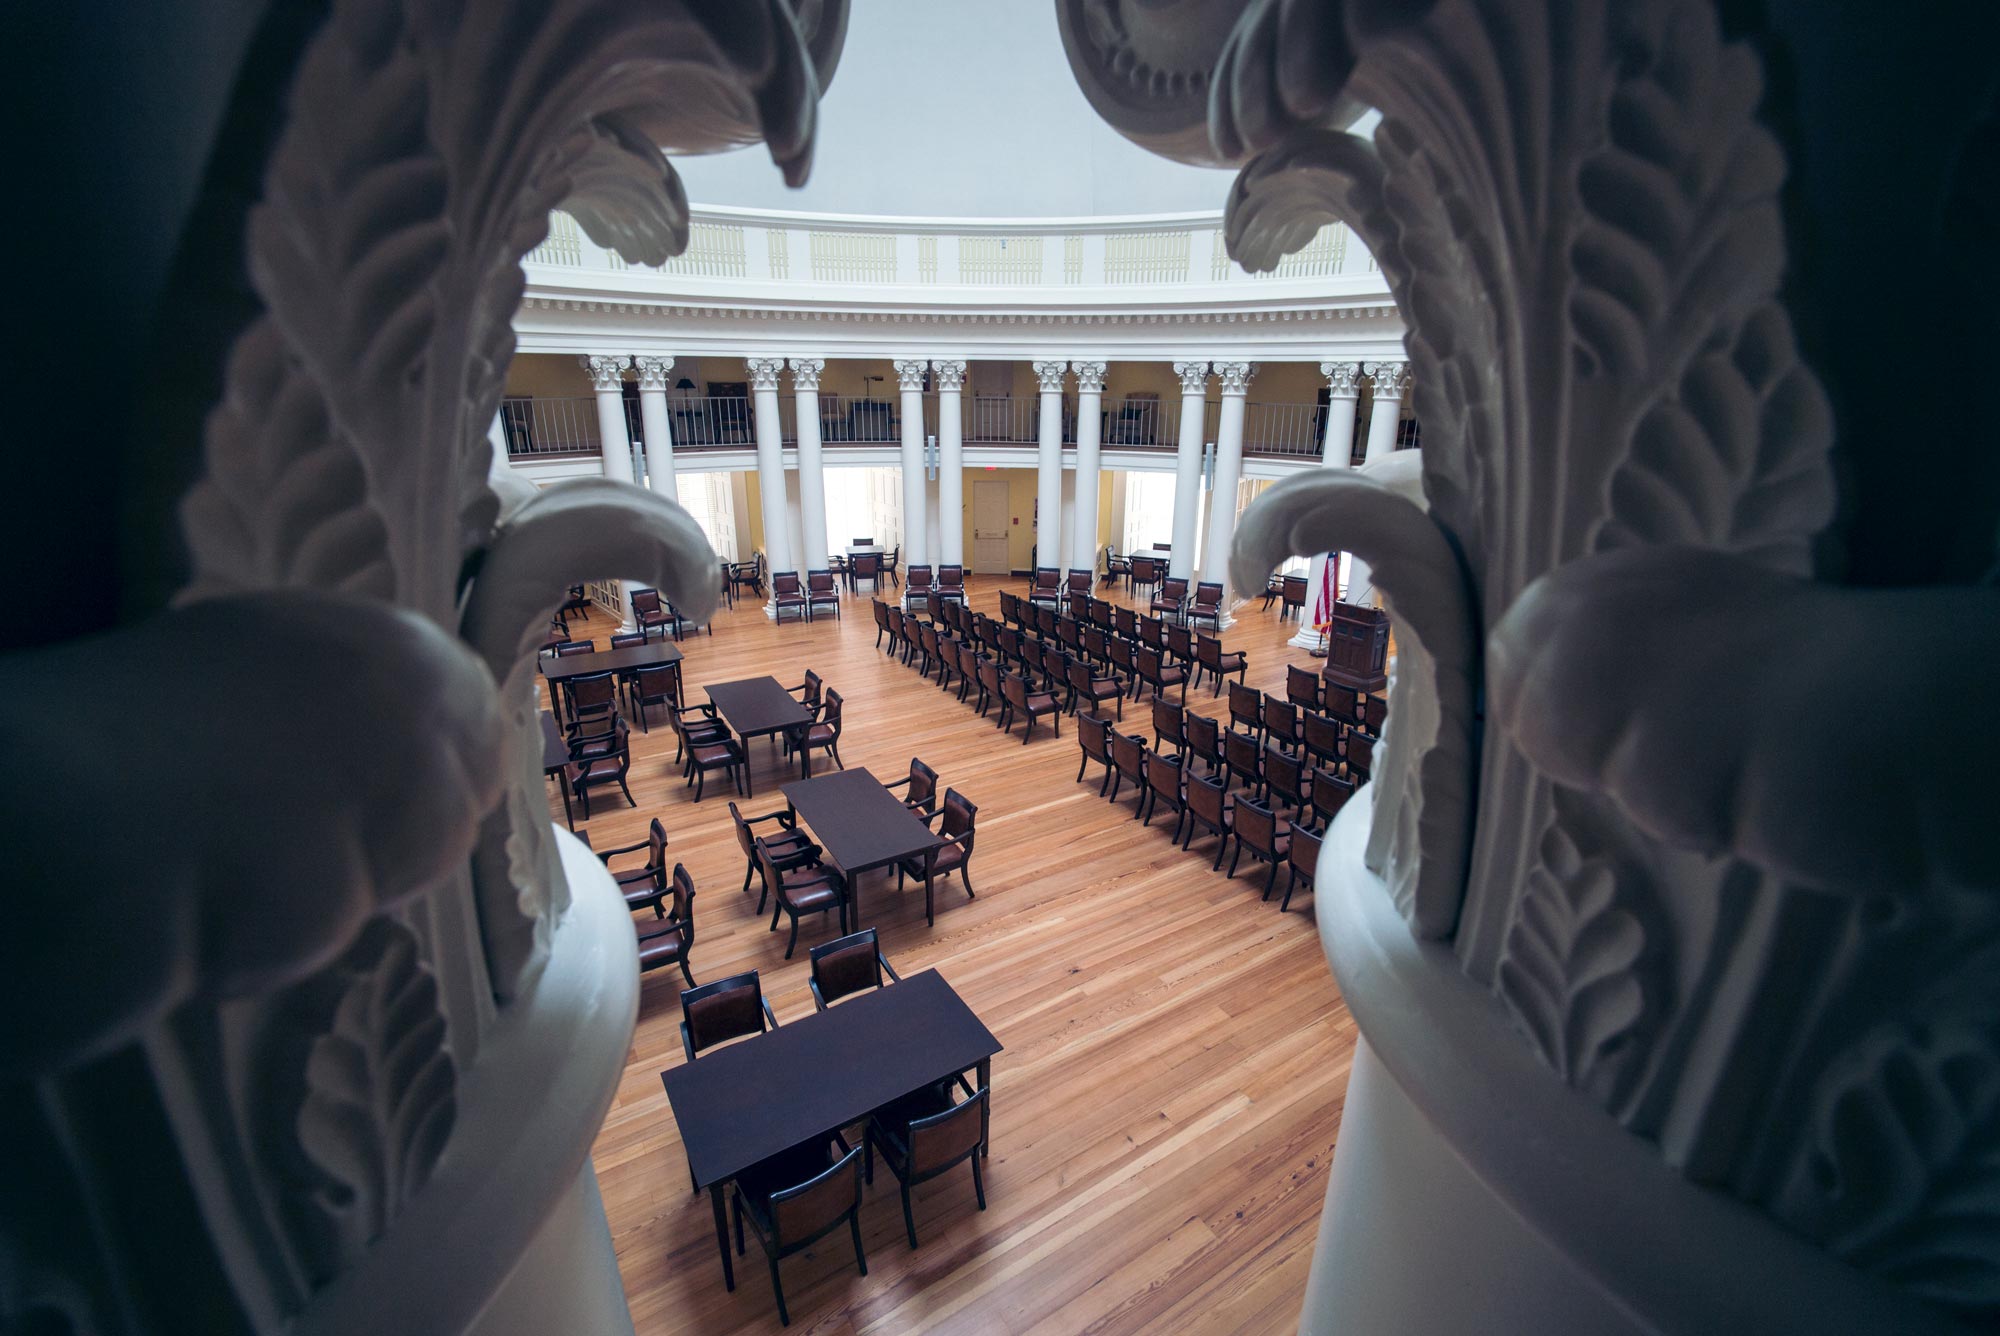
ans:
(543, 426)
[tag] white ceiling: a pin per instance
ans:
(959, 108)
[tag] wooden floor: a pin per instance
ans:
(1176, 1051)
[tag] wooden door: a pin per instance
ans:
(989, 526)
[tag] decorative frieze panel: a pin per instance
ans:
(563, 245)
(779, 243)
(713, 251)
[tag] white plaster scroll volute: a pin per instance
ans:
(910, 373)
(949, 373)
(1050, 376)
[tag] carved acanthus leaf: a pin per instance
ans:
(1673, 303)
(1581, 971)
(378, 1097)
(1421, 578)
(1902, 1174)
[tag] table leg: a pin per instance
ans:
(722, 1236)
(985, 1113)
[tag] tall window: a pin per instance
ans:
(706, 497)
(1149, 510)
(863, 503)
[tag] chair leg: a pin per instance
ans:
(978, 1183)
(854, 1225)
(793, 943)
(1080, 767)
(1236, 857)
(748, 873)
(1291, 884)
(970, 894)
(1221, 848)
(1270, 881)
(688, 974)
(909, 1219)
(778, 1289)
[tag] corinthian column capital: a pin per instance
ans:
(606, 371)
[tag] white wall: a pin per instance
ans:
(1004, 133)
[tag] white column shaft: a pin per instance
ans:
(1382, 427)
(915, 520)
(1387, 412)
(812, 483)
(614, 439)
(1089, 425)
(1187, 484)
(1222, 503)
(659, 441)
(951, 476)
(1048, 482)
(771, 482)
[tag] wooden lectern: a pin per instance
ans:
(1357, 647)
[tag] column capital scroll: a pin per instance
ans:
(607, 372)
(1089, 377)
(1050, 374)
(653, 371)
(805, 372)
(910, 372)
(1194, 377)
(764, 372)
(1235, 376)
(1343, 378)
(950, 373)
(1391, 378)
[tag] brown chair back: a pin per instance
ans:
(625, 639)
(1093, 732)
(658, 682)
(1180, 641)
(1163, 776)
(923, 785)
(1257, 827)
(819, 582)
(1048, 579)
(1243, 756)
(1206, 799)
(1284, 775)
(945, 1138)
(1170, 723)
(1281, 718)
(1125, 622)
(961, 817)
(864, 565)
(1293, 589)
(1302, 686)
(917, 578)
(1204, 737)
(645, 600)
(1329, 793)
(846, 965)
(1374, 713)
(1207, 596)
(817, 1205)
(1246, 706)
(571, 648)
(1343, 703)
(830, 714)
(1128, 753)
(723, 1010)
(785, 582)
(1322, 736)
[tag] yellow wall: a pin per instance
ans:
(548, 376)
(755, 498)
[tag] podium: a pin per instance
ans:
(1357, 648)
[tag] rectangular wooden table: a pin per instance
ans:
(859, 824)
(758, 706)
(813, 1076)
(557, 667)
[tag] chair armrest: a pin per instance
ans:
(786, 818)
(606, 855)
(769, 1015)
(819, 1002)
(687, 1042)
(887, 968)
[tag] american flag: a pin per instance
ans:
(1323, 611)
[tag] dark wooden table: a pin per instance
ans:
(807, 1079)
(555, 759)
(760, 706)
(859, 824)
(557, 667)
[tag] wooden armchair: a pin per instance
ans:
(822, 592)
(1281, 722)
(1246, 708)
(1292, 599)
(668, 939)
(1171, 601)
(1169, 725)
(1086, 685)
(643, 887)
(1128, 765)
(1047, 587)
(923, 1135)
(705, 749)
(788, 595)
(1301, 860)
(1149, 668)
(1302, 687)
(865, 566)
(654, 684)
(1093, 735)
(788, 845)
(648, 612)
(919, 581)
(951, 582)
(1208, 809)
(1324, 738)
(1207, 605)
(1125, 622)
(804, 886)
(1266, 835)
(1204, 740)
(1163, 782)
(1018, 699)
(823, 734)
(958, 821)
(1210, 658)
(1243, 759)
(921, 783)
(598, 761)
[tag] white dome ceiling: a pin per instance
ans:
(959, 108)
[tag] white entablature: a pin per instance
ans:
(1150, 287)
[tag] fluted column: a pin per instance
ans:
(1343, 388)
(614, 438)
(1048, 465)
(771, 469)
(1390, 380)
(654, 421)
(1235, 378)
(910, 380)
(1081, 548)
(812, 478)
(950, 377)
(1187, 468)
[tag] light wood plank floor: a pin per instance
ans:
(1176, 1051)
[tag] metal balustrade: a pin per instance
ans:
(540, 427)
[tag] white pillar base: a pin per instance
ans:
(1307, 638)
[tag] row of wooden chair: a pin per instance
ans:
(799, 1196)
(1051, 588)
(1094, 629)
